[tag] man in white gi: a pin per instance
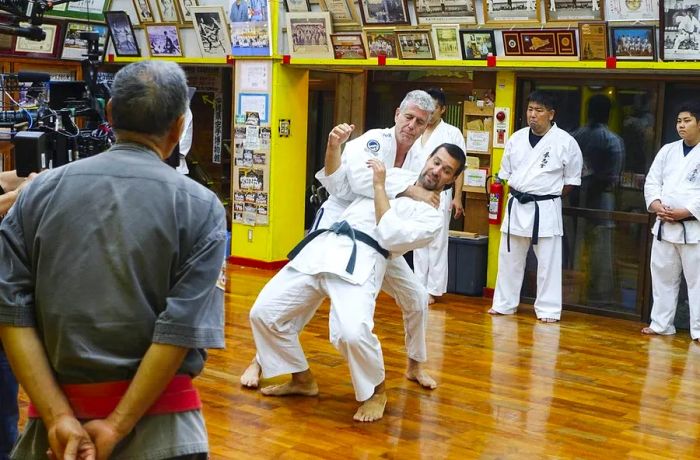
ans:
(394, 146)
(430, 262)
(347, 263)
(672, 192)
(541, 163)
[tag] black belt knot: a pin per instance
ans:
(685, 219)
(342, 228)
(524, 198)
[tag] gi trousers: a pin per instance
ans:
(668, 261)
(430, 262)
(511, 269)
(288, 302)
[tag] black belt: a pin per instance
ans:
(342, 228)
(527, 198)
(686, 219)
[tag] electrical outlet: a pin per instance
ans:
(250, 235)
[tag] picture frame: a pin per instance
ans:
(380, 13)
(447, 41)
(415, 44)
(297, 6)
(122, 33)
(477, 44)
(593, 41)
(74, 48)
(445, 12)
(381, 42)
(677, 43)
(248, 11)
(343, 12)
(510, 11)
(348, 46)
(558, 43)
(250, 38)
(144, 11)
(633, 43)
(49, 47)
(632, 10)
(89, 10)
(574, 10)
(185, 7)
(167, 9)
(163, 40)
(211, 30)
(309, 35)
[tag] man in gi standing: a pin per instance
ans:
(347, 264)
(112, 286)
(394, 146)
(672, 192)
(541, 163)
(430, 262)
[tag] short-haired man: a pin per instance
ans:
(541, 163)
(111, 287)
(672, 192)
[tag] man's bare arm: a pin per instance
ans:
(381, 200)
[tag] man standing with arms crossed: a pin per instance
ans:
(541, 163)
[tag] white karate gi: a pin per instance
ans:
(399, 280)
(430, 262)
(541, 170)
(291, 297)
(675, 180)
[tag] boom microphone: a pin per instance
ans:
(34, 33)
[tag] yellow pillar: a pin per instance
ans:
(505, 97)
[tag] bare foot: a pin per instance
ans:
(649, 331)
(494, 312)
(251, 375)
(372, 409)
(431, 299)
(549, 320)
(415, 373)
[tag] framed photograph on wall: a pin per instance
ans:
(122, 33)
(185, 9)
(309, 35)
(49, 47)
(633, 43)
(446, 41)
(631, 10)
(445, 12)
(680, 33)
(509, 11)
(415, 44)
(212, 32)
(297, 6)
(144, 11)
(348, 46)
(477, 44)
(593, 41)
(573, 10)
(164, 40)
(75, 48)
(167, 10)
(384, 12)
(343, 12)
(92, 10)
(381, 43)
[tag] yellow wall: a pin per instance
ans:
(505, 97)
(289, 100)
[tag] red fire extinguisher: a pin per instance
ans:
(495, 193)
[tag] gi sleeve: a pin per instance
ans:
(16, 277)
(408, 225)
(506, 168)
(360, 176)
(573, 163)
(654, 182)
(337, 184)
(194, 311)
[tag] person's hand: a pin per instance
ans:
(340, 134)
(68, 440)
(457, 206)
(669, 214)
(105, 436)
(421, 194)
(378, 172)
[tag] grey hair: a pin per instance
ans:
(419, 98)
(148, 96)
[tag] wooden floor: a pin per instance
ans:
(509, 387)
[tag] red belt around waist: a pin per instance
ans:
(98, 400)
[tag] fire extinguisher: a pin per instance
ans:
(495, 193)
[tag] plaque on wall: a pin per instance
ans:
(547, 42)
(593, 41)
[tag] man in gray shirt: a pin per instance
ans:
(111, 287)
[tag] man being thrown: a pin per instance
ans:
(347, 263)
(394, 146)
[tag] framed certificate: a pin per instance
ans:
(342, 12)
(632, 10)
(593, 41)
